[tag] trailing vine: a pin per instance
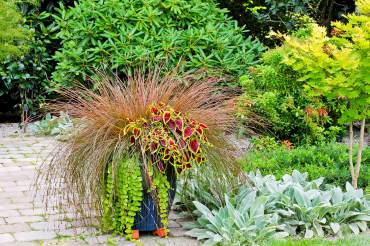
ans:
(162, 188)
(123, 196)
(108, 201)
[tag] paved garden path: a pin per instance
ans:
(23, 221)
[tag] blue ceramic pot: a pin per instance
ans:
(148, 218)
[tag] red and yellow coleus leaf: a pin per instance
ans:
(179, 124)
(137, 132)
(156, 118)
(153, 147)
(188, 131)
(194, 146)
(166, 116)
(171, 124)
(132, 140)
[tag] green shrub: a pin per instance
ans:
(273, 91)
(328, 160)
(124, 35)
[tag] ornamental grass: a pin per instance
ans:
(129, 133)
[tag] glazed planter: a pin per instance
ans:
(148, 218)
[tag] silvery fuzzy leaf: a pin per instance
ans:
(301, 198)
(313, 194)
(217, 238)
(362, 225)
(361, 217)
(292, 230)
(230, 208)
(318, 181)
(337, 196)
(322, 221)
(308, 234)
(295, 222)
(247, 201)
(349, 187)
(286, 213)
(282, 234)
(258, 206)
(318, 229)
(287, 178)
(354, 228)
(205, 212)
(200, 234)
(239, 220)
(209, 242)
(298, 177)
(274, 218)
(335, 227)
(272, 187)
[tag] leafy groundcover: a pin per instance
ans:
(274, 208)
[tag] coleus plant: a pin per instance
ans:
(169, 137)
(155, 121)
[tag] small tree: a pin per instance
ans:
(338, 68)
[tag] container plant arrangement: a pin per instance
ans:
(133, 139)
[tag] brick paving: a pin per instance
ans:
(23, 221)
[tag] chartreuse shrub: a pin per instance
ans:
(12, 34)
(337, 68)
(124, 35)
(274, 208)
(133, 138)
(326, 160)
(274, 91)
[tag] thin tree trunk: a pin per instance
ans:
(350, 154)
(359, 153)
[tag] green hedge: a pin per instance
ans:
(329, 161)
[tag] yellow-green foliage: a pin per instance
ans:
(162, 186)
(12, 34)
(337, 67)
(123, 195)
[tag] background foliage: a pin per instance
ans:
(327, 160)
(99, 35)
(261, 16)
(25, 81)
(274, 91)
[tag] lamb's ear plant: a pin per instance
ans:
(130, 134)
(291, 206)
